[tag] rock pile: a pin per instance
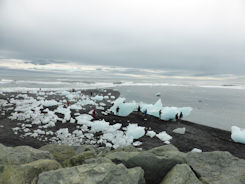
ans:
(62, 164)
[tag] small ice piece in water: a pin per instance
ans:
(238, 134)
(158, 94)
(179, 130)
(151, 133)
(196, 150)
(163, 136)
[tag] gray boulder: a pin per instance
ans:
(21, 154)
(26, 173)
(217, 167)
(121, 156)
(79, 159)
(97, 160)
(155, 167)
(129, 148)
(104, 173)
(161, 150)
(181, 174)
(60, 152)
(83, 148)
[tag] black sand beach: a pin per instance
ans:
(196, 136)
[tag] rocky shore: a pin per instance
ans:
(63, 164)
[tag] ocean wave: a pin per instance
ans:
(5, 81)
(77, 84)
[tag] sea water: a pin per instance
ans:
(215, 107)
(214, 104)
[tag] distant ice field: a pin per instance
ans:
(215, 104)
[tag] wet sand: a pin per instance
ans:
(196, 136)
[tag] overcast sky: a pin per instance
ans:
(204, 37)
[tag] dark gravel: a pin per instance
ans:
(196, 136)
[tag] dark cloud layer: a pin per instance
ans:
(203, 36)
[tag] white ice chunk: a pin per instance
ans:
(124, 108)
(163, 136)
(65, 111)
(38, 131)
(98, 98)
(97, 126)
(137, 143)
(158, 94)
(75, 107)
(72, 120)
(151, 133)
(238, 134)
(179, 130)
(196, 150)
(84, 119)
(48, 103)
(135, 131)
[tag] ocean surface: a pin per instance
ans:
(216, 104)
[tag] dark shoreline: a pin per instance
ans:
(196, 135)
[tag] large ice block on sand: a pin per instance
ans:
(124, 108)
(153, 109)
(238, 134)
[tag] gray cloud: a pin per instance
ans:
(204, 37)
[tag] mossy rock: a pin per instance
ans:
(21, 155)
(60, 152)
(79, 159)
(83, 148)
(26, 173)
(104, 173)
(121, 156)
(179, 174)
(129, 148)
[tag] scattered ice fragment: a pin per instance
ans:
(158, 94)
(163, 136)
(179, 130)
(135, 131)
(75, 107)
(48, 103)
(196, 150)
(137, 143)
(72, 120)
(98, 98)
(151, 133)
(238, 134)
